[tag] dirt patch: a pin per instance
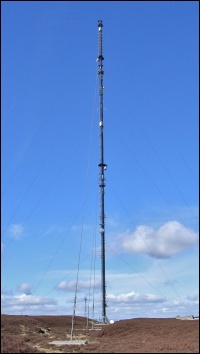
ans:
(34, 334)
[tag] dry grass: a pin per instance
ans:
(34, 334)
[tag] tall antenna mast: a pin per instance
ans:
(103, 167)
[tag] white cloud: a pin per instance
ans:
(25, 288)
(168, 240)
(28, 300)
(133, 297)
(126, 305)
(16, 231)
(71, 285)
(133, 305)
(28, 304)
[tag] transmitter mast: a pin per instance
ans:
(102, 167)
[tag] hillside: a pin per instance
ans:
(34, 334)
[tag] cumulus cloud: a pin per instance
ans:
(32, 305)
(28, 300)
(168, 240)
(16, 231)
(133, 305)
(133, 297)
(71, 285)
(25, 288)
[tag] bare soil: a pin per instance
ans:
(34, 334)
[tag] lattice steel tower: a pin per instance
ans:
(102, 167)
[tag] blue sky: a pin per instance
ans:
(50, 155)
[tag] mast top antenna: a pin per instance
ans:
(100, 24)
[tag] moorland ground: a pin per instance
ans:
(34, 334)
